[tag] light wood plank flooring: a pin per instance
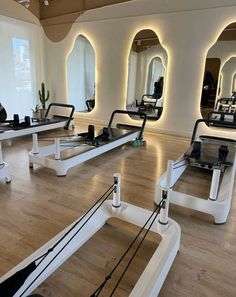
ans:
(38, 204)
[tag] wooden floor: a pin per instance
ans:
(38, 204)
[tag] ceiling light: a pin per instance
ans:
(46, 2)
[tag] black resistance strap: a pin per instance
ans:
(11, 285)
(152, 218)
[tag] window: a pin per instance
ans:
(19, 45)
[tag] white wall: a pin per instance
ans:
(131, 84)
(186, 28)
(186, 36)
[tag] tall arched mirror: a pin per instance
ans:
(146, 75)
(81, 75)
(219, 86)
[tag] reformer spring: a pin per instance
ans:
(156, 211)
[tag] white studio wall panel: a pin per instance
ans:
(186, 36)
(131, 84)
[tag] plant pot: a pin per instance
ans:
(36, 115)
(43, 113)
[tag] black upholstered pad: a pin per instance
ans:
(209, 153)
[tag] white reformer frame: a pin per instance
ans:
(4, 168)
(42, 155)
(220, 195)
(10, 134)
(151, 280)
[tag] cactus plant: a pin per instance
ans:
(42, 96)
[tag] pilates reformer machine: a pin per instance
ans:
(21, 280)
(222, 116)
(226, 105)
(87, 145)
(152, 107)
(210, 153)
(17, 128)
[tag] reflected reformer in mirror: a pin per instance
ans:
(218, 99)
(81, 75)
(146, 76)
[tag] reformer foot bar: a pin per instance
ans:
(222, 116)
(30, 273)
(87, 146)
(210, 153)
(10, 130)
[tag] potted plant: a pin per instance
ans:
(36, 112)
(43, 99)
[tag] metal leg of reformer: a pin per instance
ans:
(4, 168)
(35, 147)
(166, 192)
(57, 149)
(215, 184)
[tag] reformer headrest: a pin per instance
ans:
(3, 114)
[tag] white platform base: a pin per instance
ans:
(4, 172)
(40, 155)
(218, 208)
(153, 276)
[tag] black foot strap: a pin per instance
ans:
(196, 151)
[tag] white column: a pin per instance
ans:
(166, 192)
(215, 184)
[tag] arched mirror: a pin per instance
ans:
(81, 75)
(219, 85)
(146, 75)
(210, 85)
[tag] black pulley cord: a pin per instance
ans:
(108, 277)
(100, 201)
(134, 254)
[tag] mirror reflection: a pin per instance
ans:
(81, 75)
(219, 85)
(146, 75)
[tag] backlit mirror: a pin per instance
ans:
(146, 75)
(219, 85)
(81, 75)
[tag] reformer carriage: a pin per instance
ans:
(215, 154)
